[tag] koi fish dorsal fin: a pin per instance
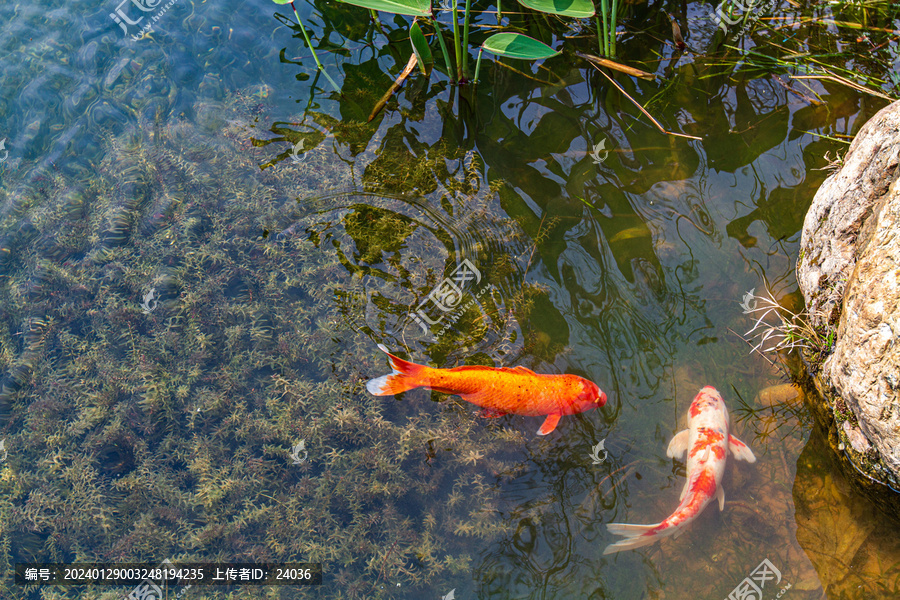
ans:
(740, 450)
(679, 444)
(404, 377)
(515, 370)
(549, 424)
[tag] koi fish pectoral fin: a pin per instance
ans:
(550, 424)
(740, 450)
(679, 444)
(720, 494)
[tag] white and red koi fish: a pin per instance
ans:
(498, 391)
(707, 443)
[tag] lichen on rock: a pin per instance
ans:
(849, 273)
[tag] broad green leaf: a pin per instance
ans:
(577, 9)
(516, 45)
(282, 1)
(412, 8)
(420, 47)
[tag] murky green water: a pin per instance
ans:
(201, 246)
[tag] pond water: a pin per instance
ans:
(202, 245)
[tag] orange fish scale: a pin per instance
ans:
(705, 482)
(506, 390)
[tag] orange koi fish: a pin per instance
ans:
(709, 442)
(519, 391)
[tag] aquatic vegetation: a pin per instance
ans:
(789, 331)
(165, 429)
(510, 44)
(278, 254)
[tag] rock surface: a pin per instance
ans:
(849, 273)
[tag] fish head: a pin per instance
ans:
(590, 396)
(707, 401)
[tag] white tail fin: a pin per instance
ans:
(629, 529)
(403, 377)
(637, 536)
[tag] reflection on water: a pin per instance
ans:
(855, 550)
(200, 248)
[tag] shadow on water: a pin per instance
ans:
(200, 247)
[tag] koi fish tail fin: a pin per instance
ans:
(404, 376)
(636, 536)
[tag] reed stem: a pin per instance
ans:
(313, 50)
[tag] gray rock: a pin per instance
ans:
(829, 244)
(849, 273)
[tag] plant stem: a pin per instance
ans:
(601, 29)
(478, 64)
(613, 17)
(315, 56)
(374, 14)
(465, 44)
(456, 46)
(440, 36)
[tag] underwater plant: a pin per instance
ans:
(790, 331)
(164, 428)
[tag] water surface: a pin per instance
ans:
(202, 245)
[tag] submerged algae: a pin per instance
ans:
(142, 432)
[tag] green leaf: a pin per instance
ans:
(420, 47)
(577, 9)
(516, 45)
(412, 8)
(282, 1)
